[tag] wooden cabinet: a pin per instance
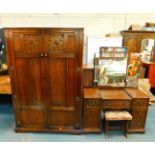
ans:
(97, 100)
(133, 39)
(139, 110)
(46, 69)
(91, 116)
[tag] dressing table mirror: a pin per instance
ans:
(111, 67)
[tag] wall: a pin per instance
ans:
(94, 24)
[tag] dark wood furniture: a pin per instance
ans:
(96, 100)
(139, 108)
(92, 112)
(45, 66)
(133, 40)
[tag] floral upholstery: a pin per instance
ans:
(118, 115)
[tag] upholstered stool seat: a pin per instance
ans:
(116, 115)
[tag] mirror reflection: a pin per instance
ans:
(3, 64)
(112, 66)
(146, 49)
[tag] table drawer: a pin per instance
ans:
(137, 124)
(139, 113)
(91, 103)
(140, 103)
(116, 105)
(92, 113)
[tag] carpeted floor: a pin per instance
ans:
(7, 131)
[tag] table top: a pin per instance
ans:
(107, 94)
(136, 93)
(91, 93)
(113, 94)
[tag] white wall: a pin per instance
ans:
(93, 24)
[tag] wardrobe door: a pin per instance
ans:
(64, 76)
(26, 72)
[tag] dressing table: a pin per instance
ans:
(97, 100)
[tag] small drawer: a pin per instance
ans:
(137, 124)
(91, 103)
(116, 105)
(92, 113)
(139, 113)
(140, 103)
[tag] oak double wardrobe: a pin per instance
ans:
(45, 66)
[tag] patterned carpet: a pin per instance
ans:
(7, 133)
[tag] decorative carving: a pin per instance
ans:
(55, 42)
(32, 43)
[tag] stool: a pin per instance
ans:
(122, 115)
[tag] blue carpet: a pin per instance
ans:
(7, 131)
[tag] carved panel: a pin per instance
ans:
(32, 43)
(55, 42)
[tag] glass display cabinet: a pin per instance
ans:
(110, 68)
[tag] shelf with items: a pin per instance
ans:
(115, 52)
